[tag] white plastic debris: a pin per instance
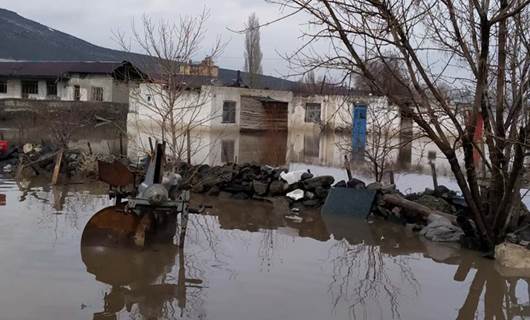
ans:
(27, 148)
(296, 219)
(293, 176)
(8, 168)
(296, 195)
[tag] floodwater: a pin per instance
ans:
(241, 260)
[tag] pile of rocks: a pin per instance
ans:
(254, 181)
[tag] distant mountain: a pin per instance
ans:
(24, 39)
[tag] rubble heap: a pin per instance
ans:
(248, 181)
(40, 158)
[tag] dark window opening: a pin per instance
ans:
(312, 112)
(29, 87)
(51, 88)
(229, 112)
(3, 86)
(97, 94)
(77, 93)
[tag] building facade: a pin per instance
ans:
(68, 81)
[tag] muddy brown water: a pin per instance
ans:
(242, 260)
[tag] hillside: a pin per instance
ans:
(24, 39)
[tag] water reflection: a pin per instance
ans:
(141, 280)
(248, 252)
(281, 148)
(373, 263)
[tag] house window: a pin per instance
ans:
(229, 112)
(51, 88)
(96, 94)
(3, 86)
(29, 87)
(312, 112)
(77, 93)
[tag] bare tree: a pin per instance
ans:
(253, 55)
(481, 47)
(169, 97)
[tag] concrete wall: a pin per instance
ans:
(120, 91)
(14, 90)
(86, 83)
(336, 111)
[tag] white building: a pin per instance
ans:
(224, 103)
(73, 81)
(220, 105)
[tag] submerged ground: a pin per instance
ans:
(240, 261)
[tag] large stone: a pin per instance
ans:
(376, 186)
(435, 203)
(309, 195)
(203, 170)
(277, 188)
(322, 181)
(260, 188)
(306, 176)
(247, 174)
(321, 192)
(267, 170)
(513, 256)
(277, 172)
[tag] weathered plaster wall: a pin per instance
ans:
(113, 91)
(86, 83)
(336, 111)
(14, 90)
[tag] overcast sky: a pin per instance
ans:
(94, 21)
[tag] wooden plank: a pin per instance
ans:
(57, 168)
(415, 208)
(257, 115)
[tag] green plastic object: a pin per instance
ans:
(348, 202)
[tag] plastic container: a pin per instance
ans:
(3, 146)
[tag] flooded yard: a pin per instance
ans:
(241, 260)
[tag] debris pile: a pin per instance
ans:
(35, 159)
(439, 214)
(248, 181)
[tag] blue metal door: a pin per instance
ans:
(359, 128)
